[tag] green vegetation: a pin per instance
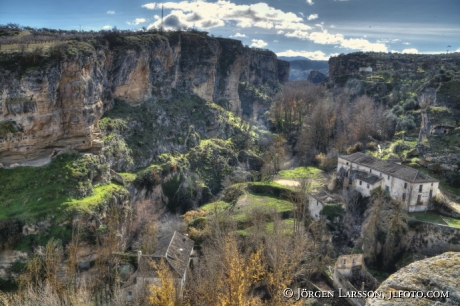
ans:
(332, 211)
(55, 190)
(300, 172)
(7, 127)
(62, 233)
(436, 218)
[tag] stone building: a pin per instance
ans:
(365, 69)
(364, 173)
(176, 249)
(317, 201)
(351, 275)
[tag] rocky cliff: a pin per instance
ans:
(54, 100)
(432, 275)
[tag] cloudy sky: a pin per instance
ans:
(315, 29)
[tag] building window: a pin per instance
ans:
(367, 186)
(347, 163)
(317, 203)
(431, 194)
(130, 293)
(380, 174)
(344, 262)
(354, 261)
(360, 183)
(431, 184)
(405, 185)
(404, 197)
(370, 170)
(388, 177)
(420, 188)
(419, 199)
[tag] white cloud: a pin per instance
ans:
(107, 27)
(394, 51)
(319, 25)
(239, 35)
(137, 21)
(258, 43)
(301, 14)
(363, 45)
(298, 34)
(332, 26)
(326, 38)
(316, 55)
(207, 15)
(111, 12)
(458, 50)
(406, 43)
(411, 50)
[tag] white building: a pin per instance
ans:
(408, 185)
(365, 69)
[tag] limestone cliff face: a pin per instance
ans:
(439, 273)
(58, 105)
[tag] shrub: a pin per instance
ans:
(405, 123)
(410, 104)
(357, 147)
(372, 146)
(147, 178)
(332, 211)
(326, 162)
(397, 110)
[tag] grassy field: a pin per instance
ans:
(300, 173)
(436, 218)
(32, 194)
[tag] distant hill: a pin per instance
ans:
(302, 66)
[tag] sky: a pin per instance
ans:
(316, 29)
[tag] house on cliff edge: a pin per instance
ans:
(364, 173)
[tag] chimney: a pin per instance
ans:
(139, 255)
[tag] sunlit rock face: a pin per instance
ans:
(58, 105)
(435, 274)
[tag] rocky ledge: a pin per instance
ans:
(435, 274)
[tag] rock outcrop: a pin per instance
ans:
(57, 103)
(436, 274)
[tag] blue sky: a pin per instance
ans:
(316, 29)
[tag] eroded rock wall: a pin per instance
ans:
(58, 105)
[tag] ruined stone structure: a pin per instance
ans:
(176, 250)
(350, 275)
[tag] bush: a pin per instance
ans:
(397, 110)
(357, 147)
(147, 178)
(326, 162)
(332, 211)
(410, 104)
(405, 123)
(372, 146)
